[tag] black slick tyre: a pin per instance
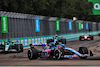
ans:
(18, 48)
(57, 54)
(32, 53)
(21, 47)
(6, 52)
(2, 46)
(83, 50)
(49, 41)
(63, 41)
(80, 38)
(92, 38)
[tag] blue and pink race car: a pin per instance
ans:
(55, 48)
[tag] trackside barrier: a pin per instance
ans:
(42, 39)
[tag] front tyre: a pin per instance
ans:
(83, 50)
(92, 38)
(80, 38)
(17, 48)
(21, 48)
(57, 54)
(32, 53)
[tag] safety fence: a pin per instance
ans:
(29, 28)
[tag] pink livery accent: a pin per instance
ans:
(48, 51)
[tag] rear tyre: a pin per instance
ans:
(32, 53)
(83, 50)
(2, 46)
(63, 41)
(49, 41)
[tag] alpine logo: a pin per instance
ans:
(97, 6)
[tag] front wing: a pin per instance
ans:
(76, 53)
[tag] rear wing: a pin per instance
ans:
(38, 44)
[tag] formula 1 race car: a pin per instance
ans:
(86, 37)
(11, 46)
(56, 50)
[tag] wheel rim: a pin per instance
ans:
(57, 54)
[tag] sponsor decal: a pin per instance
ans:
(87, 27)
(79, 25)
(70, 25)
(4, 24)
(57, 25)
(96, 7)
(37, 25)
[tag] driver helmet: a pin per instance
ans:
(56, 35)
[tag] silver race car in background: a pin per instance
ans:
(11, 46)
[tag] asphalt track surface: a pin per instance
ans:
(20, 59)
